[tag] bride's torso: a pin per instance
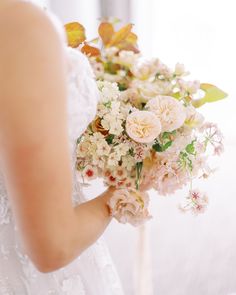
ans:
(18, 276)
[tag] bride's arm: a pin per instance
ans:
(34, 142)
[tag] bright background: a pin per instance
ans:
(189, 255)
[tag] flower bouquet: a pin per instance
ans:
(148, 133)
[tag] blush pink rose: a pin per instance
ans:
(129, 206)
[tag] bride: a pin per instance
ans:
(49, 232)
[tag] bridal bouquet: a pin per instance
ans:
(148, 132)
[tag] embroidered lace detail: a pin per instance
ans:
(93, 272)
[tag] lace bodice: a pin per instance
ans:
(93, 272)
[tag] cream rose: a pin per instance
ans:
(143, 126)
(168, 110)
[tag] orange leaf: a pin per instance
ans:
(90, 50)
(121, 35)
(106, 31)
(75, 34)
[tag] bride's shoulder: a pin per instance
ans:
(22, 18)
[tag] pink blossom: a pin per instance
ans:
(165, 175)
(196, 202)
(129, 206)
(213, 136)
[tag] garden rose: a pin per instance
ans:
(168, 110)
(129, 206)
(143, 126)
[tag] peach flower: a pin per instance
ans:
(168, 110)
(143, 126)
(129, 206)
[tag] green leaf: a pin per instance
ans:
(212, 94)
(161, 148)
(139, 167)
(185, 161)
(157, 147)
(190, 148)
(79, 139)
(122, 86)
(176, 95)
(107, 104)
(131, 152)
(110, 138)
(167, 145)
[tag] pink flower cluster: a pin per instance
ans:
(196, 202)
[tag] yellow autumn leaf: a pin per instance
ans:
(130, 43)
(120, 35)
(132, 38)
(90, 50)
(212, 94)
(75, 34)
(106, 32)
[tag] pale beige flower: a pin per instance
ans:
(128, 162)
(83, 149)
(99, 161)
(180, 70)
(103, 148)
(146, 69)
(193, 118)
(129, 206)
(113, 159)
(126, 58)
(169, 111)
(143, 126)
(188, 87)
(109, 91)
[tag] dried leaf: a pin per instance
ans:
(90, 50)
(106, 32)
(212, 94)
(127, 46)
(120, 35)
(75, 34)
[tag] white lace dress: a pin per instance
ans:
(92, 273)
